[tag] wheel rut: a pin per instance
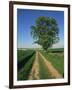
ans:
(34, 74)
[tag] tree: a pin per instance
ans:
(45, 31)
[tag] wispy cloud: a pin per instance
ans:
(29, 46)
(58, 45)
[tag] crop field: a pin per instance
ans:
(38, 64)
(25, 61)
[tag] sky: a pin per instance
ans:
(26, 18)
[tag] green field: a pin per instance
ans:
(26, 58)
(56, 50)
(56, 58)
(25, 61)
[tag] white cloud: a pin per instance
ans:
(30, 46)
(35, 46)
(58, 45)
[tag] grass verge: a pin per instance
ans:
(56, 60)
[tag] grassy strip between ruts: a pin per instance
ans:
(43, 70)
(56, 60)
(24, 72)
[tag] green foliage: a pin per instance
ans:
(45, 32)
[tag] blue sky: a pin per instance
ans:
(26, 18)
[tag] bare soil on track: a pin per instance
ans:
(34, 74)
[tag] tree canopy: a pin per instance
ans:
(45, 32)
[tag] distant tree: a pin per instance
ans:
(45, 32)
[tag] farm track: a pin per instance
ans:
(34, 74)
(51, 69)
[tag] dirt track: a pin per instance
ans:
(34, 74)
(50, 67)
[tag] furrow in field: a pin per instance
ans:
(34, 74)
(52, 70)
